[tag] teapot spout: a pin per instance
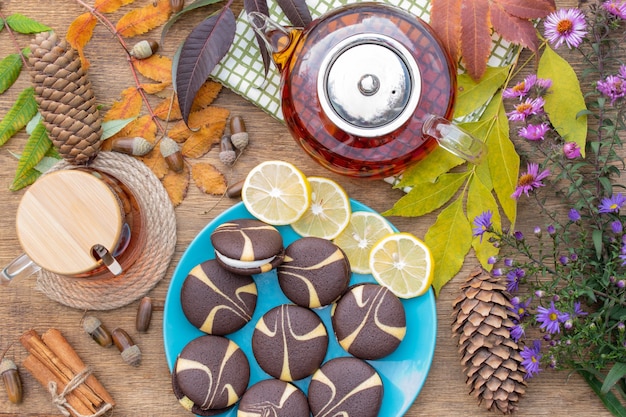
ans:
(279, 40)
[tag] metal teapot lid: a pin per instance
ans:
(369, 85)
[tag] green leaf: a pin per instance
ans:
(1, 24)
(596, 237)
(35, 149)
(438, 162)
(46, 163)
(26, 25)
(449, 240)
(19, 114)
(472, 95)
(617, 372)
(479, 200)
(32, 123)
(429, 196)
(25, 180)
(610, 401)
(566, 100)
(111, 127)
(10, 68)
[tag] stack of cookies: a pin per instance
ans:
(289, 341)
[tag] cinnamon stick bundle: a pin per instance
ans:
(56, 365)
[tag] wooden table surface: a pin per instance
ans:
(146, 390)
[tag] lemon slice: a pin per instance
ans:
(363, 231)
(276, 192)
(402, 263)
(329, 212)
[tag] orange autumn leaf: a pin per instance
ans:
(156, 162)
(128, 106)
(201, 142)
(208, 178)
(207, 93)
(143, 126)
(176, 185)
(211, 114)
(153, 88)
(144, 19)
(156, 67)
(179, 132)
(110, 6)
(79, 33)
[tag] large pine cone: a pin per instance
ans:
(65, 99)
(490, 357)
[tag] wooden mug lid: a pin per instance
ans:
(63, 215)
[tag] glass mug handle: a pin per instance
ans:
(454, 139)
(19, 268)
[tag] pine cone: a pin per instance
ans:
(490, 357)
(65, 99)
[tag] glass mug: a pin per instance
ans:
(78, 223)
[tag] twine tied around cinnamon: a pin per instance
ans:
(65, 407)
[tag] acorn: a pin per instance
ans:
(12, 381)
(144, 49)
(136, 146)
(238, 133)
(171, 152)
(98, 332)
(227, 152)
(177, 5)
(144, 315)
(129, 350)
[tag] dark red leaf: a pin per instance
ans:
(475, 36)
(203, 49)
(261, 7)
(514, 29)
(445, 19)
(296, 11)
(526, 9)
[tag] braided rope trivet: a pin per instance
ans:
(152, 263)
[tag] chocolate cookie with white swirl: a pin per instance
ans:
(314, 273)
(217, 301)
(210, 374)
(345, 386)
(275, 398)
(289, 342)
(369, 321)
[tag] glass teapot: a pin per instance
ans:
(367, 89)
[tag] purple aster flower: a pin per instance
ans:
(520, 89)
(492, 260)
(612, 87)
(578, 311)
(527, 108)
(530, 180)
(551, 318)
(482, 223)
(622, 71)
(517, 332)
(573, 215)
(508, 262)
(543, 84)
(551, 230)
(563, 260)
(615, 7)
(571, 150)
(565, 26)
(513, 278)
(531, 359)
(612, 204)
(520, 307)
(534, 132)
(497, 272)
(623, 255)
(616, 226)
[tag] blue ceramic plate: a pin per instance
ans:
(403, 372)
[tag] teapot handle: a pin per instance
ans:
(19, 268)
(454, 139)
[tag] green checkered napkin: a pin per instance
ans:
(241, 69)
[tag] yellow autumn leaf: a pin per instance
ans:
(156, 67)
(155, 161)
(201, 141)
(176, 185)
(449, 240)
(211, 114)
(128, 106)
(142, 126)
(79, 33)
(110, 6)
(208, 178)
(479, 200)
(179, 132)
(153, 88)
(144, 19)
(207, 93)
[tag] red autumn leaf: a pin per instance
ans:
(466, 26)
(128, 106)
(79, 33)
(445, 19)
(110, 6)
(156, 67)
(144, 19)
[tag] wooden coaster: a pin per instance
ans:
(152, 264)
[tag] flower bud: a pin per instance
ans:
(571, 150)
